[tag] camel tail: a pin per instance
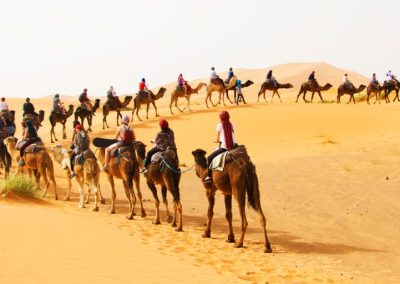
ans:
(252, 187)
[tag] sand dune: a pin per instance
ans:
(329, 184)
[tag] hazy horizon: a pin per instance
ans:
(62, 47)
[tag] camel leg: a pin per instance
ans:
(279, 96)
(241, 199)
(228, 216)
(188, 103)
(153, 190)
(130, 194)
(170, 106)
(176, 105)
(155, 107)
(147, 110)
(320, 96)
(89, 190)
(210, 213)
(64, 131)
(118, 114)
(174, 190)
(79, 180)
(42, 172)
(165, 201)
(113, 194)
(265, 98)
(137, 112)
(227, 96)
(268, 248)
(102, 199)
(297, 99)
(136, 179)
(94, 185)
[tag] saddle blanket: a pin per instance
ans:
(156, 157)
(218, 163)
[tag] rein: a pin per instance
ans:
(177, 171)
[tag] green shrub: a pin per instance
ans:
(20, 185)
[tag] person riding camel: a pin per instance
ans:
(182, 83)
(215, 79)
(271, 78)
(165, 139)
(28, 108)
(30, 137)
(393, 78)
(58, 106)
(85, 101)
(3, 105)
(347, 82)
(374, 80)
(80, 144)
(226, 139)
(125, 136)
(143, 88)
(112, 97)
(230, 75)
(311, 79)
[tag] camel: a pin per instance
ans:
(390, 86)
(125, 167)
(375, 89)
(221, 89)
(40, 163)
(56, 117)
(9, 118)
(63, 156)
(5, 158)
(143, 98)
(271, 86)
(112, 106)
(83, 113)
(313, 88)
(238, 179)
(180, 93)
(37, 118)
(344, 89)
(168, 175)
(236, 99)
(11, 143)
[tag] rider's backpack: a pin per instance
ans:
(127, 136)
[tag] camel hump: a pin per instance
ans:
(35, 148)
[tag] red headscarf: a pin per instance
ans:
(228, 129)
(163, 124)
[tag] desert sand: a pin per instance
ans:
(329, 181)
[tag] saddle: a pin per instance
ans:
(180, 88)
(217, 81)
(156, 157)
(35, 148)
(84, 105)
(81, 158)
(118, 153)
(143, 94)
(219, 162)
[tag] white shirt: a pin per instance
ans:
(345, 79)
(220, 129)
(3, 106)
(214, 75)
(390, 75)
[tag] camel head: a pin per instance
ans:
(161, 92)
(289, 86)
(59, 153)
(141, 150)
(41, 115)
(127, 99)
(248, 83)
(362, 88)
(200, 157)
(10, 143)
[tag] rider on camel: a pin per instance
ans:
(121, 136)
(31, 137)
(270, 78)
(347, 82)
(143, 88)
(225, 136)
(85, 101)
(28, 107)
(215, 79)
(182, 83)
(374, 80)
(165, 139)
(392, 77)
(80, 144)
(3, 105)
(113, 97)
(58, 106)
(230, 75)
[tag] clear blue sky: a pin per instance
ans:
(65, 46)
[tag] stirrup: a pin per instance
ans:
(143, 171)
(207, 180)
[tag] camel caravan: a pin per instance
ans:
(125, 159)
